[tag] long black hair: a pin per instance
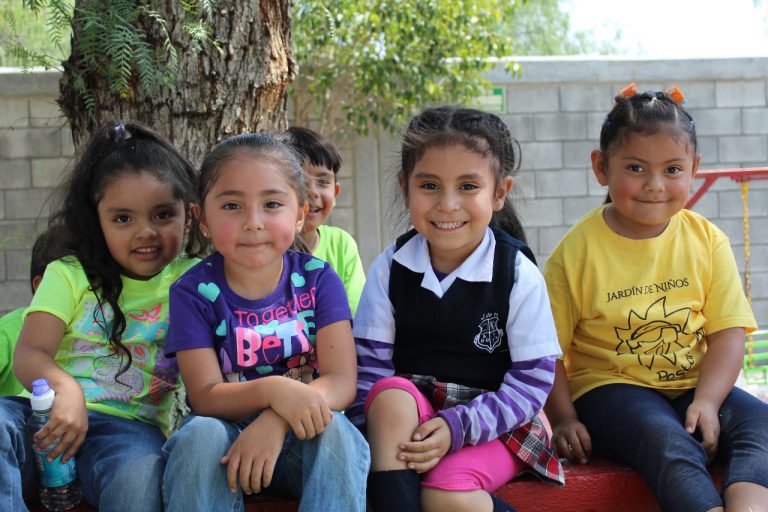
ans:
(115, 149)
(478, 131)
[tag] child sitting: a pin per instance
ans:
(44, 251)
(322, 161)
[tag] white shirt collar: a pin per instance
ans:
(478, 267)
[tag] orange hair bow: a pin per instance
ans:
(672, 91)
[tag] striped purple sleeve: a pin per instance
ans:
(374, 362)
(519, 399)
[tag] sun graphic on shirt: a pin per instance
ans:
(654, 334)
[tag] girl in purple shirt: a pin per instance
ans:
(263, 338)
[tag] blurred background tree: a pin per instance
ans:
(199, 70)
(364, 62)
(192, 74)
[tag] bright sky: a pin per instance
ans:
(677, 28)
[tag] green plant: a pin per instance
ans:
(112, 43)
(364, 62)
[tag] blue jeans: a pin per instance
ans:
(646, 430)
(120, 464)
(327, 473)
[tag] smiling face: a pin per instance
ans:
(322, 191)
(451, 196)
(251, 214)
(143, 223)
(648, 178)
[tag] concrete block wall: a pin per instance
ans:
(35, 147)
(555, 108)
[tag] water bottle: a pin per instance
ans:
(59, 486)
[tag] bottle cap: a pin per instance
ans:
(42, 395)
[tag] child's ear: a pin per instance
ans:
(193, 212)
(336, 188)
(302, 215)
(403, 188)
(36, 282)
(696, 162)
(598, 167)
(501, 192)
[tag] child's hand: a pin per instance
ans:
(251, 458)
(431, 441)
(571, 440)
(68, 425)
(704, 415)
(303, 407)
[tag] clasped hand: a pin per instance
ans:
(430, 442)
(303, 407)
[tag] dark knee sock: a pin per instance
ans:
(500, 505)
(394, 490)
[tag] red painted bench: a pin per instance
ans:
(600, 486)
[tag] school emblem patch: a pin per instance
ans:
(489, 337)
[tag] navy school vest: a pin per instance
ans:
(461, 337)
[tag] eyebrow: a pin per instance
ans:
(428, 175)
(638, 159)
(240, 193)
(121, 209)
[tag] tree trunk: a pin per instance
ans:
(243, 88)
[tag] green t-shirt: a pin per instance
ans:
(338, 248)
(144, 391)
(10, 327)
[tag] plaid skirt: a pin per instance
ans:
(529, 442)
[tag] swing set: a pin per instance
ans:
(756, 356)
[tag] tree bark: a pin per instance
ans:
(241, 89)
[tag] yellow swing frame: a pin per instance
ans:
(756, 354)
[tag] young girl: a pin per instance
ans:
(265, 347)
(455, 339)
(651, 317)
(96, 326)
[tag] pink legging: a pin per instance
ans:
(485, 467)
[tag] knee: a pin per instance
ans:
(12, 422)
(392, 407)
(140, 475)
(134, 486)
(341, 438)
(200, 438)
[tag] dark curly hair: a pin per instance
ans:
(115, 149)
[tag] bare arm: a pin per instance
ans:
(569, 436)
(307, 408)
(211, 396)
(337, 382)
(719, 369)
(39, 341)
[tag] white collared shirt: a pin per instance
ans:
(530, 328)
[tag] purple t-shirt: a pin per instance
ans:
(274, 335)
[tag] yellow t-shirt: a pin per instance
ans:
(638, 311)
(141, 393)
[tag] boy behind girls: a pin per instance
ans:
(44, 251)
(321, 161)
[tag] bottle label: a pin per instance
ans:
(54, 473)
